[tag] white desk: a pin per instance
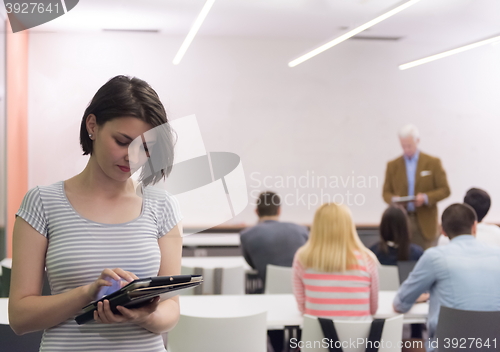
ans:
(208, 264)
(4, 312)
(281, 309)
(212, 240)
(215, 262)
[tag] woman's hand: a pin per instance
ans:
(103, 280)
(139, 315)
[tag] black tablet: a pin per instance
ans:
(140, 292)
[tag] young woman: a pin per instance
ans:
(394, 242)
(334, 274)
(94, 227)
(395, 246)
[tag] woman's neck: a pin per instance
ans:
(94, 181)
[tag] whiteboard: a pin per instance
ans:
(334, 117)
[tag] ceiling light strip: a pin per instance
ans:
(448, 53)
(192, 32)
(351, 33)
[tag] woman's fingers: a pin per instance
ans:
(105, 315)
(118, 274)
(110, 273)
(139, 314)
(127, 275)
(102, 282)
(126, 312)
(109, 277)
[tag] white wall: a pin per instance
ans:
(336, 115)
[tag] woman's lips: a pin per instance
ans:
(124, 168)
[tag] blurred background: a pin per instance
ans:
(323, 129)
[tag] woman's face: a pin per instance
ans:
(111, 146)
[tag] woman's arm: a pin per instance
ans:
(157, 317)
(28, 310)
(298, 284)
(373, 271)
(166, 316)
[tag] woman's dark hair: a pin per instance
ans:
(395, 227)
(123, 96)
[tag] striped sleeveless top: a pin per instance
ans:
(79, 249)
(349, 295)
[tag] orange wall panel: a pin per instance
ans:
(17, 124)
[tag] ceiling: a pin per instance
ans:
(446, 22)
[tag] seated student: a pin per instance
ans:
(271, 241)
(334, 274)
(480, 201)
(465, 274)
(395, 246)
(395, 243)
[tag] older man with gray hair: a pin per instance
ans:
(418, 181)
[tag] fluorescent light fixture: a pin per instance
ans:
(448, 53)
(351, 33)
(192, 32)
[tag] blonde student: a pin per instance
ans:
(334, 274)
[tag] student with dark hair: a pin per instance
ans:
(271, 241)
(394, 242)
(99, 219)
(480, 201)
(464, 274)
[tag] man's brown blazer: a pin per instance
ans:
(430, 179)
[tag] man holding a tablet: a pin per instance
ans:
(418, 181)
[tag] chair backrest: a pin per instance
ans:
(352, 334)
(187, 270)
(388, 277)
(405, 267)
(226, 281)
(245, 333)
(278, 279)
(466, 326)
(233, 281)
(10, 342)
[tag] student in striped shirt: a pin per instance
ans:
(334, 274)
(80, 228)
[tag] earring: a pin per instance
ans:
(90, 135)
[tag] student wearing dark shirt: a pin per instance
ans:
(394, 242)
(271, 241)
(395, 245)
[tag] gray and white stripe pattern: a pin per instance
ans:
(79, 249)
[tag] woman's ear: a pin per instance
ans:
(91, 124)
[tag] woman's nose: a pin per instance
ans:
(136, 155)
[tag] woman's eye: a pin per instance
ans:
(121, 143)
